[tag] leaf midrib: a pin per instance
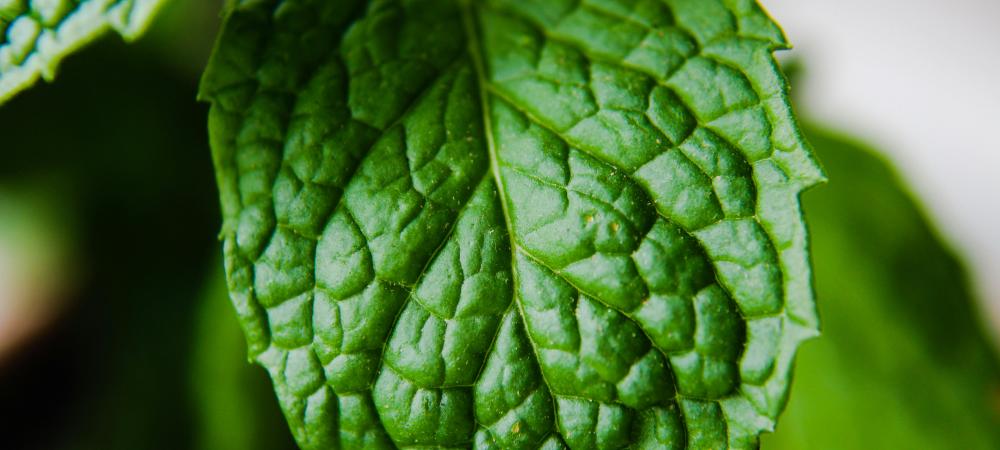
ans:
(479, 67)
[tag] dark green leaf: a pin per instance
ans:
(513, 224)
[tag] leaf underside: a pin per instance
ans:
(35, 35)
(513, 224)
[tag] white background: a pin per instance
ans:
(920, 80)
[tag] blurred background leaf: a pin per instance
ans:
(235, 402)
(37, 239)
(117, 147)
(903, 361)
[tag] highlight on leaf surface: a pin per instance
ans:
(513, 224)
(35, 35)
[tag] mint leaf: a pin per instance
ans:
(35, 35)
(896, 305)
(513, 224)
(234, 405)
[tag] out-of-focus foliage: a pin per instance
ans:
(120, 139)
(129, 144)
(107, 376)
(903, 361)
(235, 404)
(36, 243)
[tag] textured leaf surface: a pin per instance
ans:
(513, 224)
(36, 34)
(902, 349)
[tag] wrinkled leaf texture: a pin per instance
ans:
(513, 224)
(36, 35)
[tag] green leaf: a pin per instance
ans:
(513, 224)
(903, 362)
(35, 35)
(234, 404)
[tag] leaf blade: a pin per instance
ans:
(39, 36)
(369, 265)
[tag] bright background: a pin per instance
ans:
(918, 79)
